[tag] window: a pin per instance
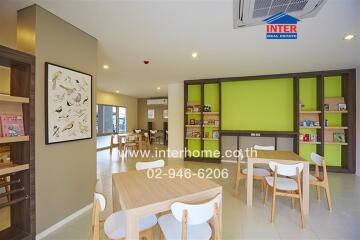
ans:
(110, 119)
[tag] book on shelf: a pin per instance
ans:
(4, 153)
(11, 125)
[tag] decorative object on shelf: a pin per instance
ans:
(195, 134)
(317, 124)
(68, 104)
(206, 134)
(165, 114)
(12, 125)
(306, 137)
(217, 123)
(301, 137)
(189, 109)
(5, 154)
(206, 122)
(341, 107)
(192, 121)
(308, 123)
(151, 113)
(197, 122)
(326, 107)
(301, 105)
(339, 137)
(326, 123)
(216, 134)
(313, 138)
(207, 108)
(197, 108)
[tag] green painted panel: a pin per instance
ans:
(194, 93)
(257, 105)
(332, 88)
(194, 145)
(333, 155)
(211, 96)
(211, 146)
(307, 93)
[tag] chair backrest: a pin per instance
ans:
(99, 205)
(147, 165)
(137, 130)
(258, 147)
(146, 134)
(317, 159)
(153, 131)
(131, 138)
(286, 169)
(196, 213)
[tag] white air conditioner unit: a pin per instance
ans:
(253, 12)
(158, 101)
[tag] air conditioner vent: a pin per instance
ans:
(252, 12)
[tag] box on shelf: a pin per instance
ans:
(11, 125)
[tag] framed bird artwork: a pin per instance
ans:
(68, 104)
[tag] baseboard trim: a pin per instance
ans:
(63, 222)
(228, 161)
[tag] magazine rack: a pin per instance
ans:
(17, 203)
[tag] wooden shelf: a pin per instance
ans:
(210, 113)
(14, 139)
(210, 126)
(193, 113)
(336, 128)
(210, 139)
(190, 138)
(193, 126)
(12, 168)
(310, 127)
(192, 104)
(310, 112)
(13, 99)
(336, 143)
(302, 142)
(336, 111)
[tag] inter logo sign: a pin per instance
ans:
(281, 26)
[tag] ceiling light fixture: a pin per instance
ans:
(106, 66)
(194, 55)
(117, 91)
(349, 37)
(158, 88)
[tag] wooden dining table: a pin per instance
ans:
(140, 195)
(287, 157)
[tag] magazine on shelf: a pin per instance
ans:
(12, 125)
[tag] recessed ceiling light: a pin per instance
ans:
(117, 91)
(194, 55)
(349, 37)
(158, 88)
(106, 66)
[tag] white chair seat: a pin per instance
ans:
(171, 229)
(285, 184)
(260, 172)
(312, 178)
(114, 226)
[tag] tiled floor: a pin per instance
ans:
(241, 222)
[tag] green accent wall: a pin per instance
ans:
(194, 96)
(264, 105)
(333, 88)
(308, 95)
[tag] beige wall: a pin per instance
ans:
(65, 172)
(130, 103)
(176, 116)
(7, 24)
(158, 122)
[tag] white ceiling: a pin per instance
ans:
(167, 32)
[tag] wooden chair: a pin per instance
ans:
(267, 148)
(132, 141)
(284, 186)
(145, 140)
(153, 137)
(149, 165)
(258, 174)
(114, 225)
(190, 221)
(318, 181)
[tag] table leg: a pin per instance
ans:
(306, 188)
(132, 225)
(249, 183)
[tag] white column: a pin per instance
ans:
(176, 116)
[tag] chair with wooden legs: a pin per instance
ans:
(190, 221)
(145, 140)
(114, 225)
(318, 181)
(148, 165)
(285, 186)
(258, 174)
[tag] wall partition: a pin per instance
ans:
(303, 112)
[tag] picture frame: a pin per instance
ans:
(339, 137)
(341, 107)
(165, 114)
(151, 113)
(68, 104)
(326, 107)
(192, 121)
